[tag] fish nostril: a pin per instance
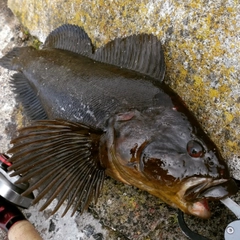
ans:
(208, 159)
(211, 163)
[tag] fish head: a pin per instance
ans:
(165, 152)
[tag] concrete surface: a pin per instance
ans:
(124, 212)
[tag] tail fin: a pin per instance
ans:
(8, 60)
(12, 60)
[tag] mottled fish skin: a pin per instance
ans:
(108, 112)
(77, 88)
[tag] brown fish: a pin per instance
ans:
(108, 112)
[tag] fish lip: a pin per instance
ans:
(199, 188)
(219, 191)
(197, 191)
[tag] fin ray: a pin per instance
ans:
(142, 53)
(24, 164)
(54, 142)
(71, 38)
(53, 166)
(27, 96)
(72, 183)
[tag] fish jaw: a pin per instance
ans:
(200, 209)
(196, 192)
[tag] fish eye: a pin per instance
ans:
(195, 149)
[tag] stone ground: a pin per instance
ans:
(122, 212)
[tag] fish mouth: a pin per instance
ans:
(210, 189)
(199, 190)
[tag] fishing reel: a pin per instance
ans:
(8, 189)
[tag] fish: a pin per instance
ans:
(107, 112)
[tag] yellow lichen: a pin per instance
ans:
(229, 116)
(198, 81)
(204, 31)
(232, 145)
(213, 93)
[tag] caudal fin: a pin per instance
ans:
(61, 160)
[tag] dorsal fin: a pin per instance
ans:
(142, 53)
(70, 37)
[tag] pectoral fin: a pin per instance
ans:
(61, 160)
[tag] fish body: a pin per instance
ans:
(108, 112)
(77, 88)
